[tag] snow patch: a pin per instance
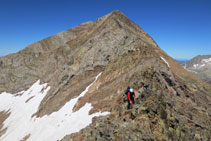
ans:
(196, 66)
(185, 66)
(192, 71)
(165, 61)
(206, 60)
(53, 127)
(204, 63)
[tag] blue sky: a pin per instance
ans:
(182, 28)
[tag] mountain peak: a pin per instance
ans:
(84, 71)
(200, 66)
(117, 12)
(113, 13)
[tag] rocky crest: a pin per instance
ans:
(177, 105)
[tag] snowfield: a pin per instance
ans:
(53, 127)
(204, 63)
(165, 61)
(206, 60)
(191, 71)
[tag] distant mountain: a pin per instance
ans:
(200, 66)
(71, 86)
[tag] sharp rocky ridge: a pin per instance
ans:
(177, 105)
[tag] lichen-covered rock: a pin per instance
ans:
(157, 115)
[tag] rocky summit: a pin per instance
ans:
(74, 83)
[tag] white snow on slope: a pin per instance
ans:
(165, 61)
(198, 66)
(192, 71)
(206, 60)
(48, 128)
(204, 63)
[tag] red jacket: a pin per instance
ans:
(128, 95)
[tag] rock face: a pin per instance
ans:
(200, 66)
(177, 105)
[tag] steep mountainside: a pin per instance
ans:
(200, 66)
(84, 72)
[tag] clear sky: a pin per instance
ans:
(182, 28)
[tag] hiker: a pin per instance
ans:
(146, 86)
(131, 97)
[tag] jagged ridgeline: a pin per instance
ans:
(176, 106)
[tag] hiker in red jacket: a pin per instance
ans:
(131, 97)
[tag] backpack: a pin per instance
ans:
(127, 90)
(146, 86)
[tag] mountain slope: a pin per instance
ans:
(200, 66)
(175, 104)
